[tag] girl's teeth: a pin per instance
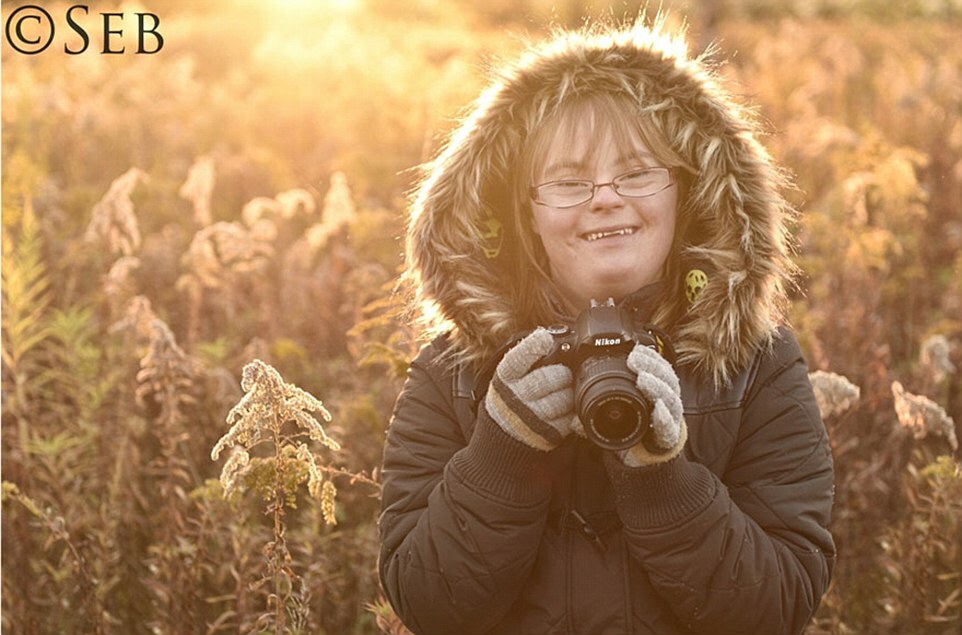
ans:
(617, 232)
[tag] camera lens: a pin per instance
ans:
(614, 412)
(615, 417)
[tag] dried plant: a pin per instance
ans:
(935, 359)
(295, 200)
(264, 231)
(339, 208)
(312, 287)
(258, 208)
(166, 390)
(113, 222)
(387, 621)
(220, 258)
(285, 205)
(138, 319)
(87, 590)
(166, 380)
(338, 212)
(262, 418)
(922, 416)
(834, 393)
(220, 252)
(198, 189)
(119, 283)
(922, 555)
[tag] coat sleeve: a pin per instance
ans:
(749, 553)
(460, 521)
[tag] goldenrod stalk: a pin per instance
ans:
(259, 417)
(278, 553)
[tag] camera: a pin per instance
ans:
(615, 414)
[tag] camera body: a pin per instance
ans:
(615, 414)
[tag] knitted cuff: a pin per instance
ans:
(501, 465)
(659, 495)
(648, 452)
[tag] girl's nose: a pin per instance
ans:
(605, 198)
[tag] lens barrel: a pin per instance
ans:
(615, 414)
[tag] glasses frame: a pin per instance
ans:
(533, 191)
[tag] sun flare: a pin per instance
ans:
(316, 6)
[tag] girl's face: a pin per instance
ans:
(611, 245)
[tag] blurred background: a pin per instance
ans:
(240, 193)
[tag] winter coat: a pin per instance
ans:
(482, 534)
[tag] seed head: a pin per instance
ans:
(328, 493)
(269, 402)
(285, 205)
(198, 189)
(218, 252)
(167, 376)
(234, 469)
(923, 416)
(305, 456)
(112, 221)
(291, 201)
(834, 393)
(119, 280)
(934, 358)
(138, 318)
(339, 211)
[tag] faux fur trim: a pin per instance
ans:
(739, 215)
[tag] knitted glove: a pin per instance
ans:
(536, 406)
(659, 383)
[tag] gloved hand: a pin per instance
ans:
(659, 383)
(536, 406)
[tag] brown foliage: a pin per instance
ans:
(261, 221)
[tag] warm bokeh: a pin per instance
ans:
(239, 195)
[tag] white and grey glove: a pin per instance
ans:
(536, 406)
(659, 383)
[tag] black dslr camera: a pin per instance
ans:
(615, 414)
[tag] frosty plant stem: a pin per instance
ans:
(261, 418)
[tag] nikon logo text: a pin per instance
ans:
(607, 341)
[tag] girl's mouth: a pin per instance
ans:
(623, 231)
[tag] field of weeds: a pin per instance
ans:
(202, 341)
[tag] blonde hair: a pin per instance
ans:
(537, 298)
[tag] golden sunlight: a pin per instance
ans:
(302, 7)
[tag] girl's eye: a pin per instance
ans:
(640, 173)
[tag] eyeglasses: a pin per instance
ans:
(638, 183)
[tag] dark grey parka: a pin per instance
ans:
(482, 534)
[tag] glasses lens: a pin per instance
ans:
(636, 184)
(564, 193)
(643, 182)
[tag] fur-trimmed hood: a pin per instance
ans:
(738, 216)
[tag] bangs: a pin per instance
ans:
(614, 116)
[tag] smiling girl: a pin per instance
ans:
(605, 164)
